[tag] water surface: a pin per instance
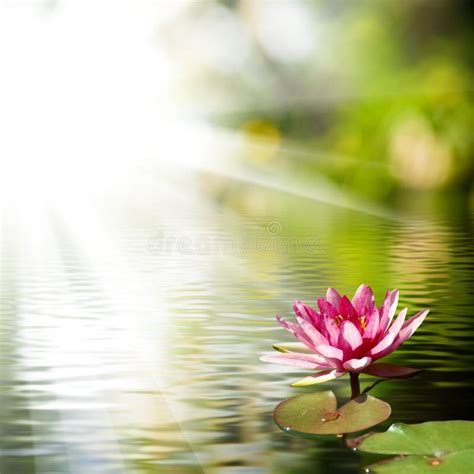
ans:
(131, 326)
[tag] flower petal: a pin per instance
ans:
(307, 313)
(305, 361)
(387, 310)
(329, 313)
(332, 331)
(363, 300)
(333, 297)
(313, 334)
(390, 371)
(293, 347)
(327, 309)
(384, 344)
(372, 327)
(357, 365)
(346, 310)
(398, 323)
(330, 352)
(296, 331)
(410, 326)
(349, 337)
(319, 377)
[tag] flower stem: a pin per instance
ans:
(355, 385)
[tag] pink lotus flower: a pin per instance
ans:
(345, 336)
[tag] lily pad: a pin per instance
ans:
(451, 463)
(317, 414)
(390, 371)
(447, 446)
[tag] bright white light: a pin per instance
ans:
(218, 40)
(284, 29)
(84, 96)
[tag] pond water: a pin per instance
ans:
(131, 326)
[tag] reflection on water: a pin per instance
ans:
(119, 354)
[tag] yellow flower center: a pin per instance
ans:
(362, 320)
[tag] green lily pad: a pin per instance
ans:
(447, 446)
(452, 463)
(430, 438)
(317, 414)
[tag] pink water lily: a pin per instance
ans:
(345, 336)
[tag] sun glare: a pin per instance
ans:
(84, 98)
